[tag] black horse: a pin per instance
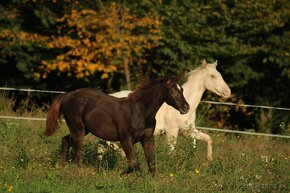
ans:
(128, 120)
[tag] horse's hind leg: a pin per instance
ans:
(66, 144)
(78, 147)
(196, 134)
(171, 135)
(208, 140)
(116, 147)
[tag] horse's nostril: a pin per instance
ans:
(226, 93)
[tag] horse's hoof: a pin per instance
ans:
(209, 159)
(124, 174)
(62, 164)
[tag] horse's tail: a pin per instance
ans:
(53, 115)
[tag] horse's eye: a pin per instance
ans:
(212, 76)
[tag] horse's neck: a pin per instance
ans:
(193, 90)
(151, 100)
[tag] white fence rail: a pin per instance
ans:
(202, 128)
(203, 101)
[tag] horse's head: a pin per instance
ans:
(213, 80)
(174, 95)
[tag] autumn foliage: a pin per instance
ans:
(101, 41)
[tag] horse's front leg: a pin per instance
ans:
(148, 146)
(196, 134)
(130, 155)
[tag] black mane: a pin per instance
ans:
(147, 84)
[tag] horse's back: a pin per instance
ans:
(121, 94)
(75, 101)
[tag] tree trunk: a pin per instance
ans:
(127, 73)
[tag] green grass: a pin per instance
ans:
(29, 162)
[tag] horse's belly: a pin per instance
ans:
(105, 132)
(102, 126)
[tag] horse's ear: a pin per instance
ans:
(203, 63)
(182, 74)
(215, 63)
(168, 80)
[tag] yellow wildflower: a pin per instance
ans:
(10, 189)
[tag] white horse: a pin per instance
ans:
(172, 123)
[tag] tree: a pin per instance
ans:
(107, 40)
(20, 48)
(250, 39)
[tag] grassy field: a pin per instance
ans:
(29, 163)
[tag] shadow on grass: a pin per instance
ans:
(91, 157)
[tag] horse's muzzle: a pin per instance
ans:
(185, 108)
